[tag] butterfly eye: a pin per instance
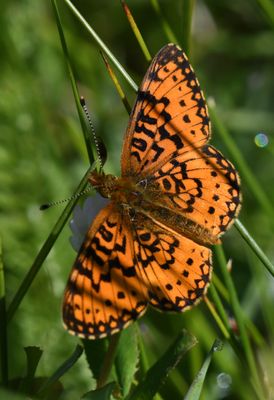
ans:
(142, 184)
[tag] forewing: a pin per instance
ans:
(175, 269)
(170, 114)
(104, 293)
(201, 185)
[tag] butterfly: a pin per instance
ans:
(176, 196)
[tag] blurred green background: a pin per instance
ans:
(43, 158)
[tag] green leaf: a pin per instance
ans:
(103, 393)
(195, 389)
(155, 376)
(95, 351)
(127, 358)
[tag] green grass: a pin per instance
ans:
(49, 56)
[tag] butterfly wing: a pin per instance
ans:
(176, 270)
(104, 293)
(170, 114)
(201, 185)
(166, 146)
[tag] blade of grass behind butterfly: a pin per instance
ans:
(244, 169)
(102, 45)
(263, 287)
(268, 9)
(187, 11)
(252, 329)
(45, 249)
(221, 322)
(254, 246)
(249, 356)
(90, 149)
(117, 84)
(136, 31)
(3, 319)
(165, 25)
(223, 325)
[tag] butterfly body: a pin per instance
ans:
(176, 196)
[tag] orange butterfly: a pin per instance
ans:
(177, 195)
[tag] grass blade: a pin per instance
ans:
(187, 6)
(268, 8)
(165, 25)
(194, 392)
(43, 253)
(240, 321)
(136, 31)
(102, 45)
(117, 84)
(255, 247)
(155, 376)
(90, 150)
(219, 322)
(219, 305)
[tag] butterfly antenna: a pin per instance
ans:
(74, 196)
(95, 138)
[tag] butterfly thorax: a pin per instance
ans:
(142, 196)
(121, 190)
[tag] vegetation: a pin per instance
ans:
(44, 156)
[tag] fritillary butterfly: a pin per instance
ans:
(176, 196)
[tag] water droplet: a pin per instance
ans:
(224, 381)
(261, 140)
